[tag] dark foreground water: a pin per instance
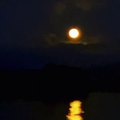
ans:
(98, 106)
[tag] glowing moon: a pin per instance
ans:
(74, 33)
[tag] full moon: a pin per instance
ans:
(74, 33)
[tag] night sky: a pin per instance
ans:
(33, 33)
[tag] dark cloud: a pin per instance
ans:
(88, 5)
(83, 5)
(60, 7)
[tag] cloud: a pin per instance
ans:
(59, 8)
(51, 39)
(87, 5)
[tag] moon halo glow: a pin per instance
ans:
(74, 34)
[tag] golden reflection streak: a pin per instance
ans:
(75, 111)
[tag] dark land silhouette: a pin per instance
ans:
(58, 82)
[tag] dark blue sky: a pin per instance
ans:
(31, 32)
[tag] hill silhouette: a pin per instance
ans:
(58, 82)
